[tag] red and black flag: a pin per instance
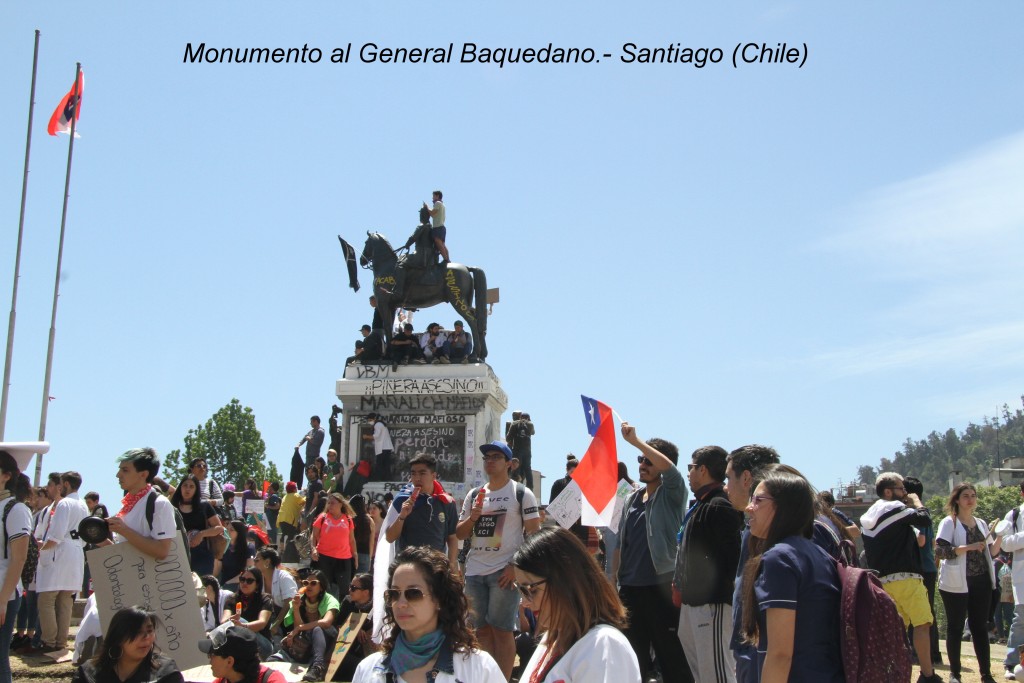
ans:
(69, 107)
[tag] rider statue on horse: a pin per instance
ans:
(416, 280)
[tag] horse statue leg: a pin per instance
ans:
(480, 296)
(459, 292)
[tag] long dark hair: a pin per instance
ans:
(360, 517)
(18, 484)
(793, 498)
(577, 595)
(177, 499)
(446, 587)
(240, 548)
(126, 625)
(212, 582)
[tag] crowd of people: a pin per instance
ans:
(434, 345)
(741, 584)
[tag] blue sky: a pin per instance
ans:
(822, 259)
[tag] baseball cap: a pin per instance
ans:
(497, 446)
(230, 640)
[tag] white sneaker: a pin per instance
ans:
(445, 361)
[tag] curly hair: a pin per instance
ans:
(447, 588)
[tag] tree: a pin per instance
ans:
(866, 475)
(231, 445)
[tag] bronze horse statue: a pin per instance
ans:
(416, 280)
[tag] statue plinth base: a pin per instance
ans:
(444, 410)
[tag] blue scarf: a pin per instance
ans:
(408, 655)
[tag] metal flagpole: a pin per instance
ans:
(56, 282)
(17, 253)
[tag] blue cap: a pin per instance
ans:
(497, 446)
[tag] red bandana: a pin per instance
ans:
(129, 501)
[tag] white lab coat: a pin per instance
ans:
(1014, 542)
(62, 568)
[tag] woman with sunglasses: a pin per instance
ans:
(256, 608)
(311, 615)
(334, 544)
(201, 522)
(278, 583)
(128, 653)
(359, 600)
(577, 610)
(425, 626)
(791, 586)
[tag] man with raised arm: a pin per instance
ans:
(648, 530)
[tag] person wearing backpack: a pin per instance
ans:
(149, 534)
(792, 589)
(17, 523)
(966, 578)
(496, 517)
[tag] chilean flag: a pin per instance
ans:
(70, 106)
(598, 471)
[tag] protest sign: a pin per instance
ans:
(346, 636)
(122, 576)
(568, 506)
(622, 492)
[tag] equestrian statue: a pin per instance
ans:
(415, 280)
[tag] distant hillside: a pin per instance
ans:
(973, 452)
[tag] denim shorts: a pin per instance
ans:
(490, 604)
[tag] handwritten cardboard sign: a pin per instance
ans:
(122, 577)
(568, 506)
(346, 636)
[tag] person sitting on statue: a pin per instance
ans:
(437, 229)
(459, 346)
(370, 349)
(403, 347)
(432, 344)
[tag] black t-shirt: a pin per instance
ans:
(251, 611)
(195, 519)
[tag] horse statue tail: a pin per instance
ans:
(480, 304)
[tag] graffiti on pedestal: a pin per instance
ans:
(442, 436)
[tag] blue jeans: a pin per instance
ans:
(1004, 617)
(1015, 639)
(6, 631)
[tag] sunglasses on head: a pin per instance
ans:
(411, 595)
(246, 579)
(644, 461)
(311, 582)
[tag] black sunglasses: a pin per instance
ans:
(354, 587)
(411, 595)
(246, 579)
(528, 589)
(644, 461)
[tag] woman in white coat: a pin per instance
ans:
(966, 577)
(425, 627)
(577, 609)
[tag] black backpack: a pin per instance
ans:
(28, 572)
(179, 522)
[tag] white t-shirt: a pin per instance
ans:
(19, 523)
(381, 438)
(602, 654)
(163, 520)
(498, 533)
(472, 667)
(438, 220)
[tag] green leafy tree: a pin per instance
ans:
(231, 445)
(866, 475)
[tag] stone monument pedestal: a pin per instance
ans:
(444, 410)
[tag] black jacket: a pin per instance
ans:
(710, 550)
